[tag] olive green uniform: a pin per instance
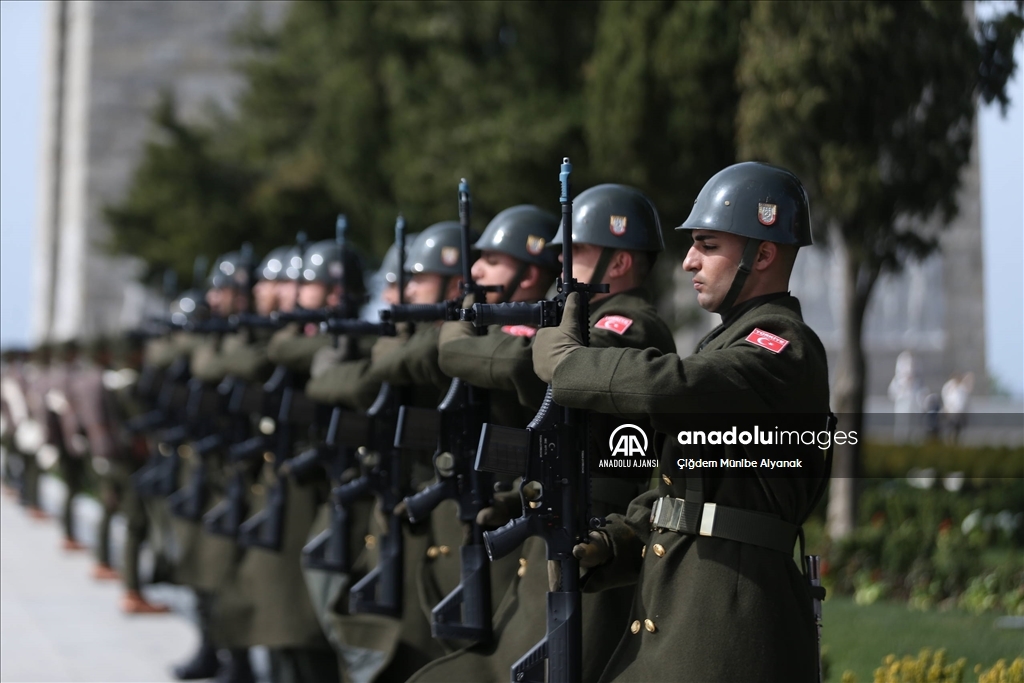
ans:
(504, 361)
(268, 602)
(708, 608)
(378, 647)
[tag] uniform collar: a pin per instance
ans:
(737, 312)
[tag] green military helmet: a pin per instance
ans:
(283, 263)
(389, 266)
(754, 200)
(615, 217)
(522, 232)
(325, 263)
(189, 305)
(231, 270)
(438, 250)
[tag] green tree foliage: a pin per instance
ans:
(661, 97)
(378, 107)
(183, 200)
(872, 104)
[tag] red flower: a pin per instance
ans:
(945, 525)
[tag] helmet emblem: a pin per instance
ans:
(335, 269)
(766, 213)
(449, 255)
(535, 245)
(618, 225)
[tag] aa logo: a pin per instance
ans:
(628, 440)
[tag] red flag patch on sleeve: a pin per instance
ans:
(519, 330)
(767, 340)
(614, 323)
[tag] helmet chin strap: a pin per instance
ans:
(513, 287)
(445, 280)
(742, 271)
(602, 265)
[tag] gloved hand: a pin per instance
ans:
(328, 357)
(553, 344)
(385, 345)
(595, 553)
(505, 505)
(458, 329)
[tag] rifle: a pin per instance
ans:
(158, 477)
(346, 432)
(465, 613)
(550, 454)
(203, 404)
(380, 460)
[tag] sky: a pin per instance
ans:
(21, 41)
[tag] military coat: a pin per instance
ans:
(707, 608)
(503, 361)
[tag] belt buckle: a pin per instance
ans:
(707, 520)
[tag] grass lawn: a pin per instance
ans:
(858, 638)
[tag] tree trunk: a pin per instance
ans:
(859, 279)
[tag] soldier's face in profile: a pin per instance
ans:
(584, 261)
(423, 288)
(221, 301)
(265, 296)
(312, 295)
(390, 294)
(287, 295)
(495, 268)
(712, 261)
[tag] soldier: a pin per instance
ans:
(33, 435)
(67, 436)
(101, 392)
(719, 596)
(281, 616)
(332, 373)
(13, 412)
(208, 562)
(387, 648)
(616, 239)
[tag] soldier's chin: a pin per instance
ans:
(708, 302)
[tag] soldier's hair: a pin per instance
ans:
(643, 263)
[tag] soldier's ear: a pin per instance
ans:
(622, 263)
(767, 254)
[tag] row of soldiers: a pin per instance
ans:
(311, 466)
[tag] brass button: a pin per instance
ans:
(635, 627)
(659, 550)
(649, 625)
(643, 552)
(268, 456)
(444, 550)
(665, 478)
(370, 541)
(521, 572)
(433, 551)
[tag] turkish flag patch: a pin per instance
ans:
(519, 330)
(767, 340)
(614, 323)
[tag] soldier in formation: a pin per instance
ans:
(324, 478)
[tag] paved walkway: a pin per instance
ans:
(57, 624)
